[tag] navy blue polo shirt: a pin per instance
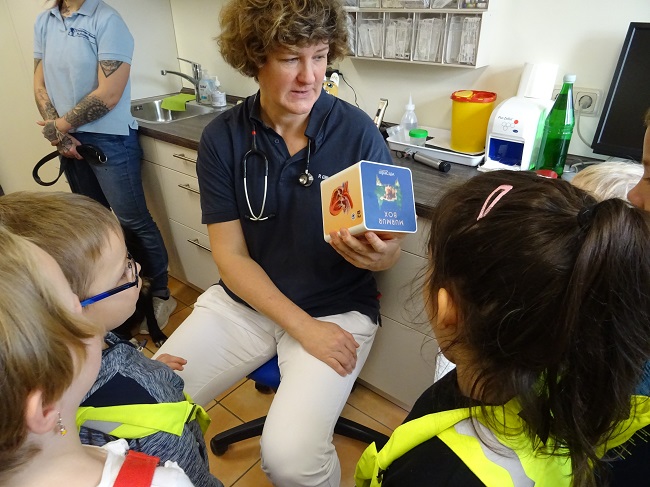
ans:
(289, 245)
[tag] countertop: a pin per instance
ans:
(428, 184)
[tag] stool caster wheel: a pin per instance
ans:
(218, 450)
(263, 389)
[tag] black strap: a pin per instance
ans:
(88, 151)
(40, 163)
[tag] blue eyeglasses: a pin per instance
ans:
(131, 269)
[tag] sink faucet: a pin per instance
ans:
(194, 79)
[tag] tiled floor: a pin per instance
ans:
(240, 465)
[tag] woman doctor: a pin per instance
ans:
(283, 289)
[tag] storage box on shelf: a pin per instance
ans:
(418, 4)
(399, 32)
(172, 192)
(370, 34)
(429, 37)
(420, 31)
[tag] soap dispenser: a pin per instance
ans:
(205, 88)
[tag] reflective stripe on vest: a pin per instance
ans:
(140, 420)
(508, 458)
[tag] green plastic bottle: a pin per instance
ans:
(558, 130)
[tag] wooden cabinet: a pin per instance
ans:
(418, 32)
(172, 191)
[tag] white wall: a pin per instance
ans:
(591, 35)
(21, 143)
(583, 38)
(152, 27)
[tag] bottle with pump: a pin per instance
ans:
(409, 119)
(205, 88)
(558, 130)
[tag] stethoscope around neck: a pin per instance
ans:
(305, 179)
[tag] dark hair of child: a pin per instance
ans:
(551, 287)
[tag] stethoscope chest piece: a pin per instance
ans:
(306, 179)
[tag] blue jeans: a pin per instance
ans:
(117, 184)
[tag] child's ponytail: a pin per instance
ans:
(606, 312)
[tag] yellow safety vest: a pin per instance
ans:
(455, 429)
(139, 420)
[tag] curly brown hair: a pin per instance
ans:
(251, 29)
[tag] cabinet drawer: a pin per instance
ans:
(401, 364)
(177, 158)
(401, 299)
(181, 195)
(195, 265)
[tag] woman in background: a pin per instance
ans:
(539, 294)
(82, 63)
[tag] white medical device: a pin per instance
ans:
(516, 124)
(514, 131)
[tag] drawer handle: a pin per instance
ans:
(183, 157)
(189, 188)
(196, 242)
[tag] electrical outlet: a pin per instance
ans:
(589, 97)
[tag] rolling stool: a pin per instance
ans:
(267, 379)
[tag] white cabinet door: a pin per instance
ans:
(401, 297)
(196, 264)
(416, 243)
(154, 194)
(171, 189)
(401, 364)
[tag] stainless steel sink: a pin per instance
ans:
(151, 111)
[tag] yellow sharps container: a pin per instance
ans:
(470, 113)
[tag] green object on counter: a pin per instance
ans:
(418, 136)
(177, 103)
(558, 129)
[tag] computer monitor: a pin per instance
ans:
(620, 128)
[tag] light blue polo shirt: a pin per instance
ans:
(71, 49)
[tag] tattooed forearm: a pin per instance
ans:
(89, 109)
(109, 67)
(44, 105)
(50, 132)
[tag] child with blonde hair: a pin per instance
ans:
(612, 179)
(49, 358)
(134, 397)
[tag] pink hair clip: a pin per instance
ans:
(498, 193)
